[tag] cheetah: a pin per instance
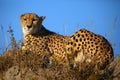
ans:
(39, 40)
(86, 46)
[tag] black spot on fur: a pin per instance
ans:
(71, 43)
(86, 35)
(82, 42)
(74, 37)
(78, 35)
(75, 44)
(76, 40)
(80, 39)
(96, 46)
(84, 39)
(87, 38)
(78, 44)
(91, 35)
(83, 36)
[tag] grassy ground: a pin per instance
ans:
(16, 65)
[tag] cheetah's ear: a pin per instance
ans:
(22, 15)
(42, 17)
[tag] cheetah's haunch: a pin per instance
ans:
(91, 48)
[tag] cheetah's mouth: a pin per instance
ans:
(27, 30)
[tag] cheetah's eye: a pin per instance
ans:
(34, 20)
(25, 19)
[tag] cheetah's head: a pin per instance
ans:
(31, 23)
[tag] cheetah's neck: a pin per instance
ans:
(43, 32)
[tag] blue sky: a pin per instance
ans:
(64, 17)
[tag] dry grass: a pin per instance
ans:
(17, 65)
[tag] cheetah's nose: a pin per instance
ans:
(29, 26)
